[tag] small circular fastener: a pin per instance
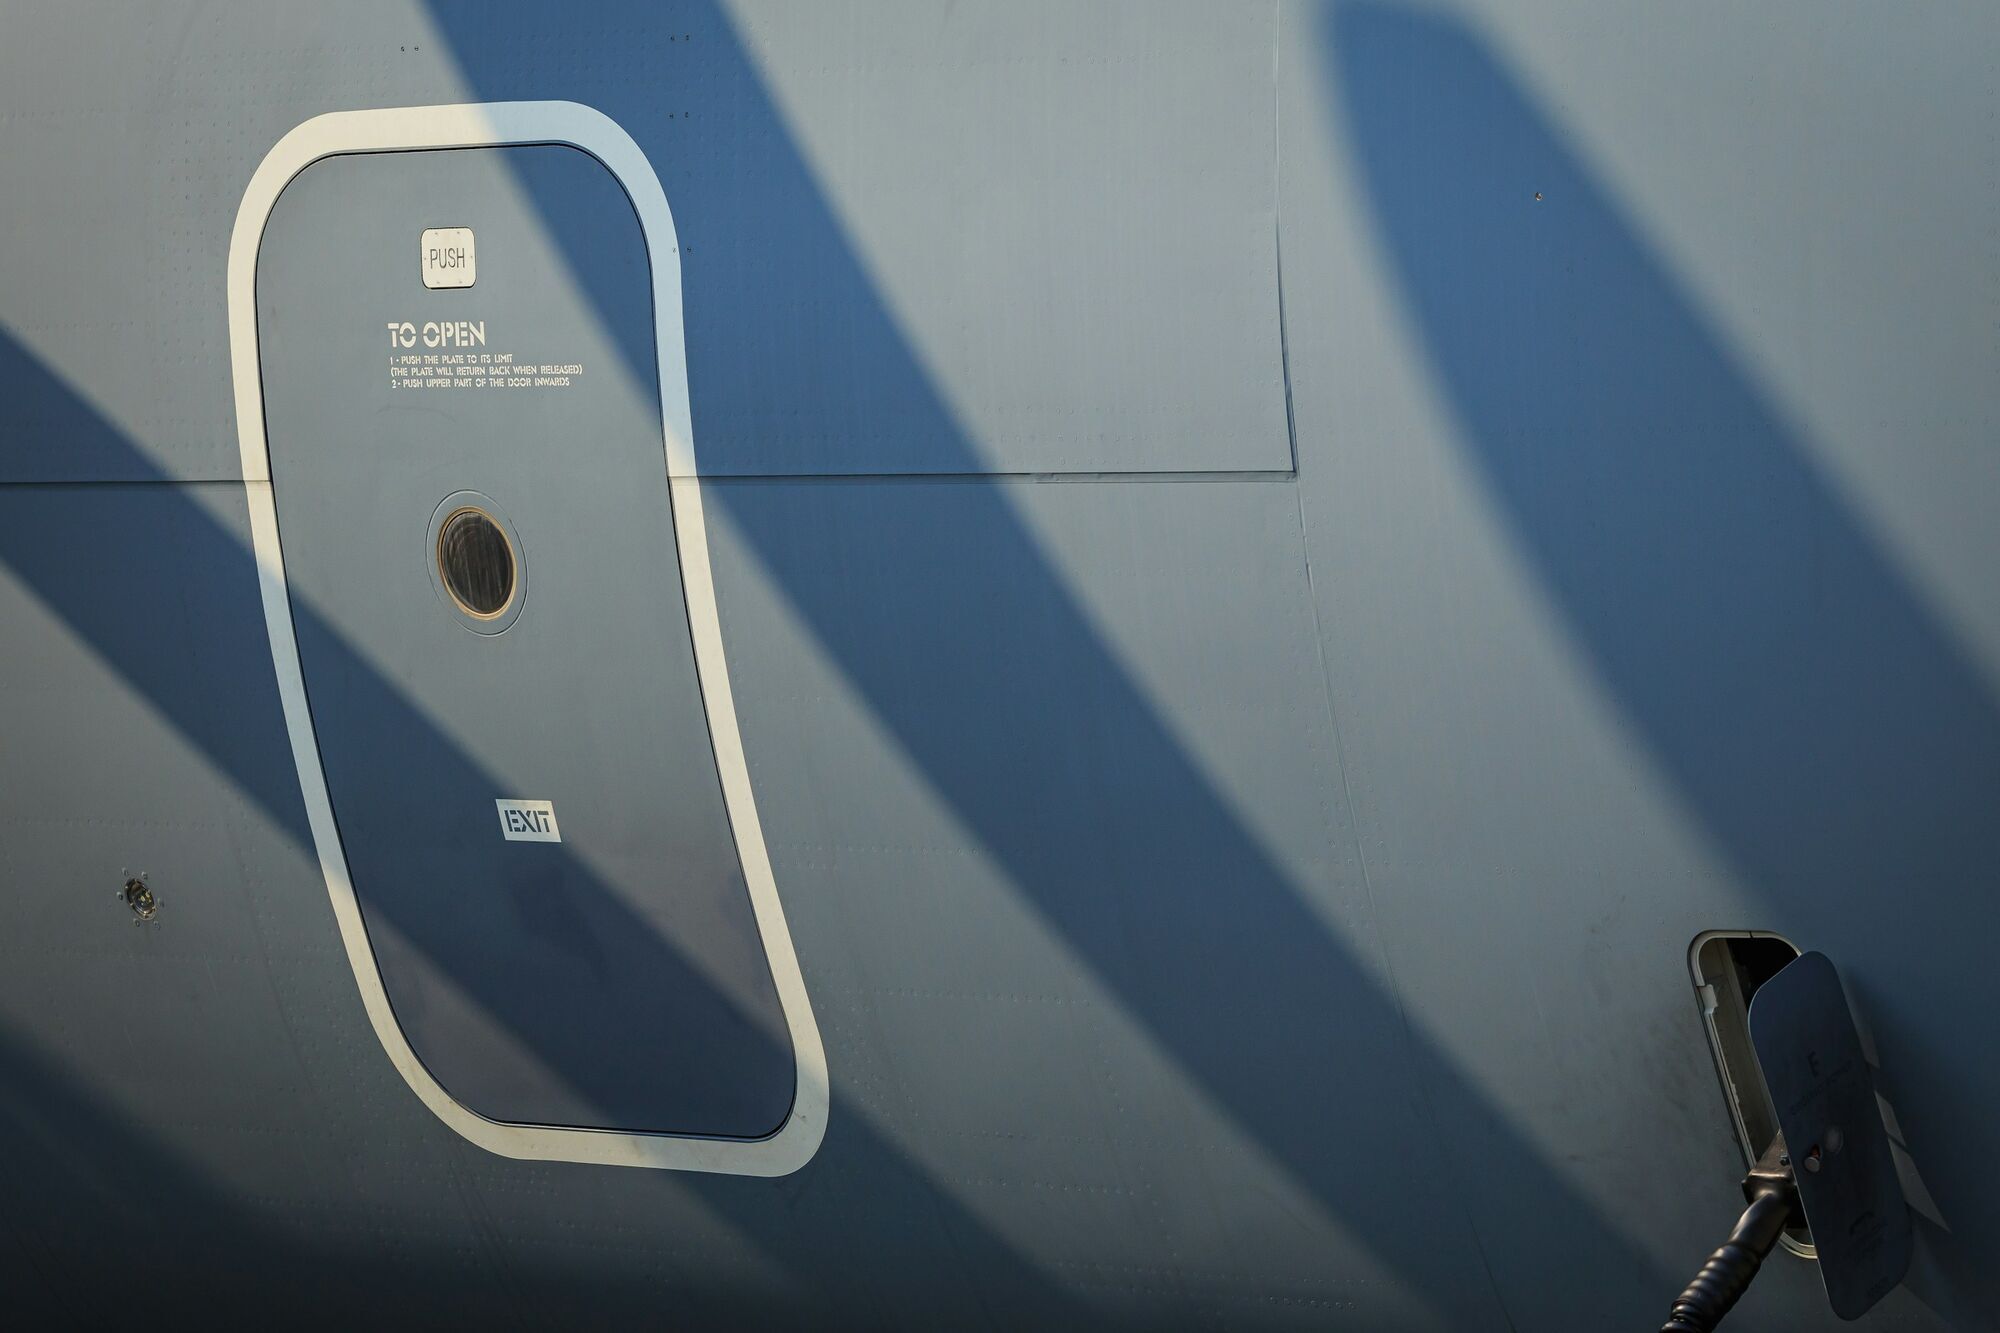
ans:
(139, 897)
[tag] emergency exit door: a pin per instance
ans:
(463, 417)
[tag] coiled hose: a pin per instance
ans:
(1727, 1274)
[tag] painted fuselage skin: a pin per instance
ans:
(1278, 562)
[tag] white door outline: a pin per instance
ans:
(490, 125)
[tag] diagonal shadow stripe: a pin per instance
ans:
(1102, 820)
(90, 1188)
(79, 1180)
(1828, 732)
(67, 556)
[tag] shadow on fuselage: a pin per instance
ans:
(1812, 710)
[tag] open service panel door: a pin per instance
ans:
(462, 392)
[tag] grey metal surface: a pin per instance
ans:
(1229, 903)
(616, 979)
(1648, 554)
(1100, 225)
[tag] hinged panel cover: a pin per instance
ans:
(1824, 1093)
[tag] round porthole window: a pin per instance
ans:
(476, 561)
